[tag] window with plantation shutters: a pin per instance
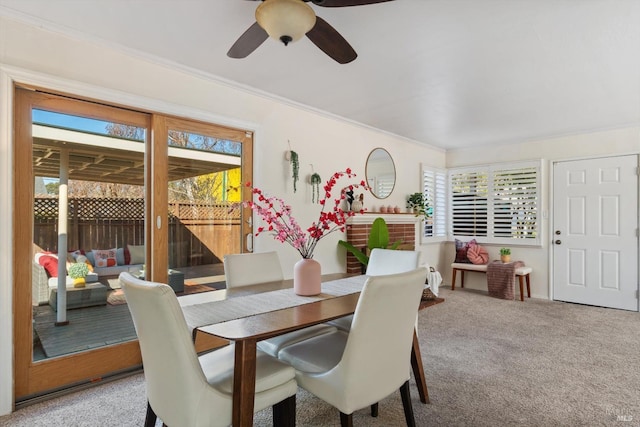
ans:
(497, 203)
(434, 184)
(469, 202)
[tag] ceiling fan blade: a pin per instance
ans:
(248, 42)
(343, 3)
(331, 42)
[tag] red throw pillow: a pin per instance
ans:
(127, 256)
(478, 254)
(50, 263)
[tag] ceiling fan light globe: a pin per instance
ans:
(285, 19)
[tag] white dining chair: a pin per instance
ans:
(382, 262)
(184, 389)
(251, 268)
(354, 370)
(260, 267)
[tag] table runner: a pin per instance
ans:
(209, 313)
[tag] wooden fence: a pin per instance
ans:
(198, 233)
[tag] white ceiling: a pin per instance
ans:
(448, 73)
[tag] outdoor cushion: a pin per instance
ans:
(137, 254)
(120, 260)
(49, 262)
(104, 257)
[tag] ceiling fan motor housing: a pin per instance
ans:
(285, 20)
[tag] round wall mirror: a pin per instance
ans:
(381, 173)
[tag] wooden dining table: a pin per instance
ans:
(247, 330)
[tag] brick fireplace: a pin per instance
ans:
(403, 227)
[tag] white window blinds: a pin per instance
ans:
(434, 184)
(497, 203)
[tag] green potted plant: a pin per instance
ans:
(78, 271)
(417, 204)
(505, 255)
(378, 238)
(292, 157)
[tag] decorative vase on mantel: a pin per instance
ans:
(307, 279)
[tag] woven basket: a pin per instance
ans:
(427, 295)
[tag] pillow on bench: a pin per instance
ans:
(478, 254)
(461, 250)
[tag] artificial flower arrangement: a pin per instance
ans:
(78, 271)
(280, 221)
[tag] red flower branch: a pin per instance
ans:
(281, 223)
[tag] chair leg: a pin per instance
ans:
(151, 417)
(528, 277)
(406, 404)
(418, 369)
(453, 279)
(346, 420)
(374, 410)
(284, 412)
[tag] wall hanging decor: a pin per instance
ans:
(292, 157)
(315, 186)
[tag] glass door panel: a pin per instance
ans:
(88, 211)
(204, 210)
(93, 189)
(80, 176)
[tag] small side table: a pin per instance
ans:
(176, 280)
(92, 294)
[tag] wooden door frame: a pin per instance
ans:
(32, 378)
(35, 378)
(157, 176)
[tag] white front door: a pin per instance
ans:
(595, 226)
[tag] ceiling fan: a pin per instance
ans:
(289, 20)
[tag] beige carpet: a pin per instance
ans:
(488, 362)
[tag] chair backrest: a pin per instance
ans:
(173, 375)
(387, 261)
(377, 357)
(251, 268)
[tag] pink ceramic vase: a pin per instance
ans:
(306, 277)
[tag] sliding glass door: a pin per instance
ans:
(95, 195)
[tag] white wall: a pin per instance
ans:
(597, 144)
(32, 55)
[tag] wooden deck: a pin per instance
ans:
(93, 327)
(88, 328)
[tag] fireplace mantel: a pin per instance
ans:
(402, 227)
(369, 217)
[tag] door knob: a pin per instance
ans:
(557, 242)
(558, 232)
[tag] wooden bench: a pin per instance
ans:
(521, 273)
